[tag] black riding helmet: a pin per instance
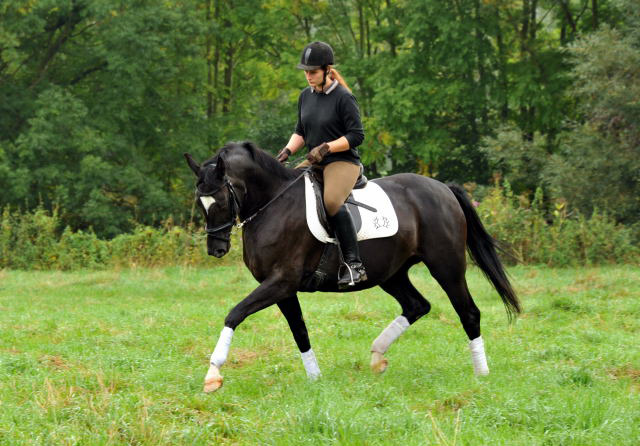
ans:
(316, 55)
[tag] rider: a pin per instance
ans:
(329, 121)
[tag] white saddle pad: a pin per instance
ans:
(382, 223)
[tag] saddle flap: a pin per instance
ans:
(322, 213)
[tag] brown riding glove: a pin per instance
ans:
(283, 155)
(316, 155)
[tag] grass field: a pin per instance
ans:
(118, 357)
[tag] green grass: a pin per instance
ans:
(118, 357)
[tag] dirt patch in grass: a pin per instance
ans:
(589, 281)
(12, 350)
(242, 357)
(626, 371)
(454, 403)
(54, 362)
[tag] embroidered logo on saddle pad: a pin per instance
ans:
(378, 219)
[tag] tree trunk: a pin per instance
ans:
(228, 79)
(216, 58)
(391, 40)
(482, 78)
(532, 21)
(502, 73)
(209, 63)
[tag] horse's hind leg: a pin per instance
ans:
(451, 277)
(414, 306)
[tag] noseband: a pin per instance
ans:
(234, 206)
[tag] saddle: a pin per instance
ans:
(317, 181)
(373, 217)
(371, 209)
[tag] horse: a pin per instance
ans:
(437, 225)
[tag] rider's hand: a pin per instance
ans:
(284, 155)
(316, 155)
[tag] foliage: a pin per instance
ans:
(35, 240)
(520, 161)
(27, 241)
(598, 164)
(32, 241)
(98, 100)
(536, 236)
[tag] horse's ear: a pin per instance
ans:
(192, 164)
(220, 168)
(251, 147)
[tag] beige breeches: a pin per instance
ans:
(339, 179)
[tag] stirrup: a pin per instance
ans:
(356, 274)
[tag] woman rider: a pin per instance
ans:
(329, 121)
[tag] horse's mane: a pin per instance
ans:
(263, 159)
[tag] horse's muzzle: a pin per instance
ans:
(218, 252)
(217, 248)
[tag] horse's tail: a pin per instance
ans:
(482, 249)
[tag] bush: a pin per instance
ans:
(76, 250)
(536, 236)
(27, 240)
(554, 238)
(148, 246)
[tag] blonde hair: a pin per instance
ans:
(335, 75)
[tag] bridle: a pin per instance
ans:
(234, 206)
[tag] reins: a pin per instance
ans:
(234, 206)
(278, 195)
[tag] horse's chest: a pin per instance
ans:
(266, 254)
(262, 257)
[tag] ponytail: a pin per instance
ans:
(335, 75)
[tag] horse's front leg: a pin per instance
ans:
(268, 293)
(290, 307)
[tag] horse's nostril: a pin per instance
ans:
(219, 252)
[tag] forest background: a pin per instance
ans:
(534, 105)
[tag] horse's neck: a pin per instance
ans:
(260, 189)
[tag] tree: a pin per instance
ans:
(599, 164)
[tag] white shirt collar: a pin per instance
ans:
(332, 87)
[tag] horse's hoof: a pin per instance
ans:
(213, 380)
(378, 362)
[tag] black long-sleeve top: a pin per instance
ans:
(324, 117)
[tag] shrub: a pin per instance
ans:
(27, 240)
(76, 250)
(534, 234)
(554, 238)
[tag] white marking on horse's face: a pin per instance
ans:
(207, 202)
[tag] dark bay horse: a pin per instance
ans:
(437, 224)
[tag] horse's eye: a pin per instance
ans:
(207, 202)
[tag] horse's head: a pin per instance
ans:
(216, 199)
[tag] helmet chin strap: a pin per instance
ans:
(325, 69)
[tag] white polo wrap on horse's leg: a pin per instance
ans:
(219, 355)
(390, 334)
(480, 367)
(310, 364)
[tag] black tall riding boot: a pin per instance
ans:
(345, 232)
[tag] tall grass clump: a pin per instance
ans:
(554, 237)
(27, 239)
(36, 241)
